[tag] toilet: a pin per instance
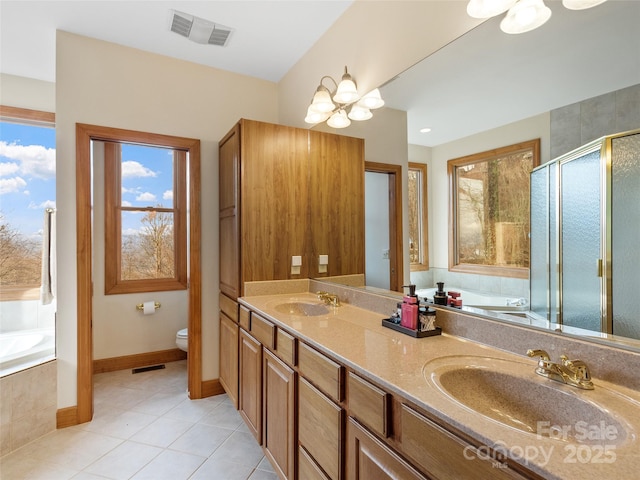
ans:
(181, 339)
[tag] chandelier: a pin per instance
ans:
(340, 103)
(522, 15)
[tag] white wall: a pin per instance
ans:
(376, 40)
(27, 93)
(105, 84)
(118, 327)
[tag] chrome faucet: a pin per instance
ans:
(329, 298)
(571, 372)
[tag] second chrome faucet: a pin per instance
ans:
(571, 372)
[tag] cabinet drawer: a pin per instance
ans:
(228, 307)
(244, 317)
(369, 404)
(320, 429)
(263, 330)
(286, 347)
(442, 454)
(323, 372)
(369, 458)
(307, 468)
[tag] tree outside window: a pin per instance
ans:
(489, 210)
(418, 240)
(145, 220)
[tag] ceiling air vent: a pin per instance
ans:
(199, 30)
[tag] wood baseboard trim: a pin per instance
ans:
(211, 388)
(67, 417)
(138, 360)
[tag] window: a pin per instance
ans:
(489, 210)
(145, 218)
(418, 241)
(27, 237)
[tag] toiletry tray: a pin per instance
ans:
(408, 331)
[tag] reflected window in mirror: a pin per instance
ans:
(145, 218)
(489, 210)
(418, 238)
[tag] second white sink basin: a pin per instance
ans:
(512, 394)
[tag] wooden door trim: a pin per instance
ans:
(84, 135)
(395, 218)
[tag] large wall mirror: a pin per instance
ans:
(487, 80)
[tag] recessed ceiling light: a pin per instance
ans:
(425, 130)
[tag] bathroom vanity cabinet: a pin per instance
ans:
(317, 418)
(229, 337)
(288, 192)
(279, 394)
(267, 385)
(250, 398)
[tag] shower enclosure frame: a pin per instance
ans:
(553, 238)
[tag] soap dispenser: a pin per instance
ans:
(410, 308)
(440, 297)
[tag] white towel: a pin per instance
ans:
(48, 288)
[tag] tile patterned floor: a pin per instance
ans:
(145, 427)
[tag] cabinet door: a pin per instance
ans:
(250, 401)
(368, 458)
(275, 177)
(229, 357)
(444, 455)
(336, 203)
(229, 191)
(307, 467)
(278, 419)
(321, 429)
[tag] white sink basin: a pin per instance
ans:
(302, 309)
(512, 394)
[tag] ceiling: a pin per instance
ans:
(483, 80)
(268, 37)
(486, 78)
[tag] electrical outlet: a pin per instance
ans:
(385, 254)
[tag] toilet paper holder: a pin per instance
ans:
(140, 306)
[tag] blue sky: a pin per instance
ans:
(147, 180)
(27, 177)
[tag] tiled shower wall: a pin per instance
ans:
(579, 123)
(28, 404)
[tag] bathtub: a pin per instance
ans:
(23, 349)
(486, 301)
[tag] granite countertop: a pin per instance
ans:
(403, 365)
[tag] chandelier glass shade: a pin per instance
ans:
(341, 104)
(522, 15)
(339, 120)
(581, 4)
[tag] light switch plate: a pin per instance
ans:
(296, 261)
(323, 260)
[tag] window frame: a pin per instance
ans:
(114, 284)
(494, 270)
(423, 213)
(36, 118)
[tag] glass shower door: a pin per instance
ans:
(581, 225)
(626, 234)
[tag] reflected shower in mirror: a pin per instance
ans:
(574, 80)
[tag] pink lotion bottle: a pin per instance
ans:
(410, 309)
